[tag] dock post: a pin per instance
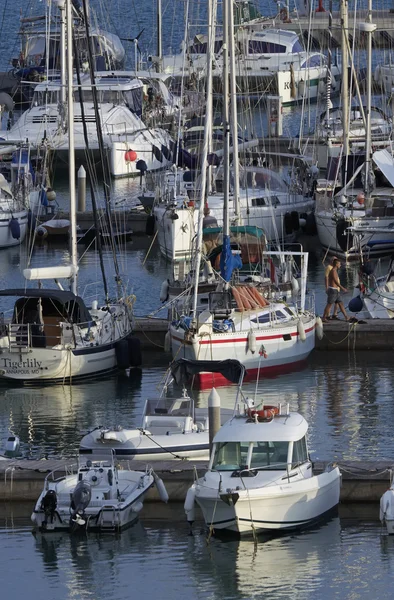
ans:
(213, 415)
(81, 189)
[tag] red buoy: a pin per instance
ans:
(130, 156)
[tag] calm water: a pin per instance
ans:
(344, 558)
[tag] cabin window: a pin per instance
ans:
(265, 317)
(313, 61)
(300, 452)
(230, 456)
(260, 47)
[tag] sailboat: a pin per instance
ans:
(249, 322)
(52, 335)
(341, 208)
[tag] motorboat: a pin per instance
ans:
(129, 141)
(260, 476)
(373, 294)
(387, 509)
(269, 60)
(11, 447)
(93, 496)
(171, 428)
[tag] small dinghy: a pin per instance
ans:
(171, 428)
(387, 509)
(96, 496)
(260, 477)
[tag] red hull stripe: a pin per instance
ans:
(241, 339)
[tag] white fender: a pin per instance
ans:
(295, 286)
(301, 88)
(165, 286)
(167, 342)
(137, 507)
(319, 328)
(301, 330)
(378, 75)
(189, 505)
(252, 343)
(161, 488)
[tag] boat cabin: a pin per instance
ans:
(171, 415)
(272, 442)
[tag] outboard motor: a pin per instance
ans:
(49, 505)
(80, 499)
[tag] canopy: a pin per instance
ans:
(183, 369)
(66, 298)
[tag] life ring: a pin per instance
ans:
(265, 414)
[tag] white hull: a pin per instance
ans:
(176, 235)
(282, 344)
(279, 507)
(6, 238)
(327, 231)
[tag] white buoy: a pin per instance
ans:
(164, 291)
(252, 343)
(319, 328)
(301, 330)
(213, 415)
(387, 509)
(189, 506)
(161, 488)
(167, 342)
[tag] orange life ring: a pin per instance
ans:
(266, 414)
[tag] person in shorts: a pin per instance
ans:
(326, 274)
(333, 291)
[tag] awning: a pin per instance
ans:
(63, 297)
(183, 370)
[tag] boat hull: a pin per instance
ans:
(6, 238)
(283, 348)
(273, 508)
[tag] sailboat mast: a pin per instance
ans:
(71, 160)
(233, 104)
(368, 28)
(345, 75)
(226, 124)
(159, 37)
(212, 9)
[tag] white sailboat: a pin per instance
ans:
(52, 335)
(240, 322)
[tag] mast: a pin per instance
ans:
(368, 28)
(159, 38)
(212, 8)
(71, 160)
(226, 124)
(233, 104)
(345, 75)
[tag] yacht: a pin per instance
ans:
(132, 147)
(260, 476)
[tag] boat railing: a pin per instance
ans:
(60, 473)
(19, 337)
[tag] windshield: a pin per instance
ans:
(231, 456)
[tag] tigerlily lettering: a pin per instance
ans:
(31, 363)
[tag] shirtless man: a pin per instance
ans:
(333, 292)
(326, 274)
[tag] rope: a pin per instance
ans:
(352, 328)
(160, 446)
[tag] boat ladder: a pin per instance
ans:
(19, 337)
(109, 517)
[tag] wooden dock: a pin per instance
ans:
(22, 480)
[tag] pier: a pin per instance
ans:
(23, 480)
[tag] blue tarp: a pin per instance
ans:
(228, 261)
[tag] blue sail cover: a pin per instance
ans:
(228, 261)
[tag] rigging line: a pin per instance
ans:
(89, 167)
(103, 154)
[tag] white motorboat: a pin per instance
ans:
(260, 476)
(270, 61)
(387, 509)
(95, 496)
(125, 135)
(373, 295)
(171, 428)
